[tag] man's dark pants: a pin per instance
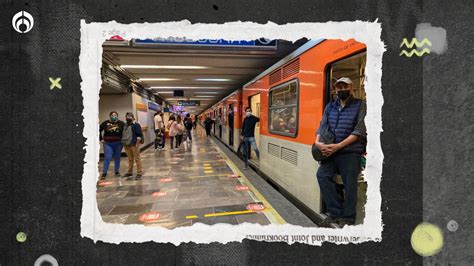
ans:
(348, 166)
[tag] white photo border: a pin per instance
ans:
(93, 36)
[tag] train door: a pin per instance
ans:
(220, 121)
(230, 119)
(255, 105)
(352, 67)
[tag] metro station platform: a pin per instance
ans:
(201, 183)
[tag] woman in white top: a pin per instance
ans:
(171, 126)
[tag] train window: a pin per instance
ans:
(283, 110)
(352, 67)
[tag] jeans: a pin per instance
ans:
(249, 141)
(348, 166)
(188, 134)
(112, 149)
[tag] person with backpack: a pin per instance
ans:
(188, 124)
(112, 129)
(344, 118)
(132, 138)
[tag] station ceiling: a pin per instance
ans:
(205, 73)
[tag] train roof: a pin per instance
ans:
(305, 47)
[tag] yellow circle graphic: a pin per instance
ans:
(21, 237)
(427, 239)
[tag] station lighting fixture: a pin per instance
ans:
(163, 67)
(205, 96)
(156, 79)
(208, 79)
(208, 92)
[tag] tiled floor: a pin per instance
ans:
(192, 185)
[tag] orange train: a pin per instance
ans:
(289, 98)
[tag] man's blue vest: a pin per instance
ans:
(342, 121)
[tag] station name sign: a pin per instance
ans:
(153, 106)
(189, 103)
(260, 43)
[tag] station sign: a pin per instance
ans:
(259, 43)
(189, 103)
(153, 106)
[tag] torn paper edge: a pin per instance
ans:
(93, 36)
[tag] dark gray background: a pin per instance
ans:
(427, 121)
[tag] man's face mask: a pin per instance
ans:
(248, 113)
(343, 95)
(113, 118)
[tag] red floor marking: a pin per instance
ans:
(149, 217)
(163, 180)
(255, 207)
(241, 188)
(158, 194)
(105, 183)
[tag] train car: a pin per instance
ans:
(289, 98)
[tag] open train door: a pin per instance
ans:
(255, 105)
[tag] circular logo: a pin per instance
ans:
(452, 226)
(22, 22)
(21, 237)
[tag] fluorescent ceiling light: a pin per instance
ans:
(204, 96)
(165, 92)
(207, 92)
(163, 67)
(156, 79)
(177, 87)
(206, 79)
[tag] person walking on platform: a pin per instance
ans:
(132, 138)
(208, 124)
(180, 131)
(344, 117)
(248, 135)
(112, 129)
(172, 131)
(194, 121)
(188, 124)
(159, 131)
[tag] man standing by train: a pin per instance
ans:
(345, 118)
(248, 135)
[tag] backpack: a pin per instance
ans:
(188, 124)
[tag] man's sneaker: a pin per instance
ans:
(103, 176)
(128, 175)
(138, 177)
(245, 167)
(117, 174)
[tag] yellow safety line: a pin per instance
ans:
(227, 213)
(209, 172)
(268, 206)
(199, 176)
(191, 217)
